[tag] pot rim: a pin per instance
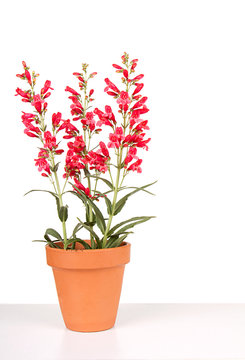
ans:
(124, 243)
(88, 259)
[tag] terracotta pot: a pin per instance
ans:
(88, 284)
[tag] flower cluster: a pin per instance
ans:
(131, 134)
(88, 160)
(34, 123)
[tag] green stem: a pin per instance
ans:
(114, 197)
(60, 200)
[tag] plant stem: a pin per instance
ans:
(60, 199)
(119, 159)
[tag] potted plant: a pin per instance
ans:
(88, 273)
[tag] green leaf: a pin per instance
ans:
(118, 241)
(107, 201)
(63, 213)
(127, 221)
(55, 167)
(129, 226)
(50, 192)
(50, 242)
(76, 229)
(120, 204)
(73, 241)
(107, 182)
(91, 231)
(135, 187)
(99, 217)
(53, 233)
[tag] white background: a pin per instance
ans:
(192, 54)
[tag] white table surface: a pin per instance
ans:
(142, 331)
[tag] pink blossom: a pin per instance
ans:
(123, 98)
(136, 166)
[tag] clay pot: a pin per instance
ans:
(88, 284)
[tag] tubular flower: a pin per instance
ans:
(73, 165)
(81, 187)
(116, 138)
(49, 141)
(106, 118)
(138, 88)
(78, 145)
(56, 119)
(72, 91)
(27, 118)
(136, 140)
(76, 107)
(139, 103)
(136, 166)
(138, 78)
(38, 102)
(123, 98)
(70, 129)
(89, 121)
(111, 86)
(46, 87)
(131, 155)
(97, 160)
(104, 149)
(42, 165)
(141, 126)
(28, 76)
(26, 95)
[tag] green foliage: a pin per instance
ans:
(63, 213)
(120, 204)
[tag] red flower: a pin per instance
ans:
(116, 138)
(42, 165)
(78, 145)
(70, 129)
(27, 118)
(81, 187)
(138, 78)
(21, 76)
(56, 119)
(28, 133)
(136, 140)
(73, 164)
(28, 76)
(25, 95)
(123, 98)
(97, 161)
(89, 120)
(46, 87)
(43, 153)
(139, 103)
(138, 88)
(37, 103)
(104, 149)
(125, 73)
(106, 118)
(72, 91)
(111, 86)
(49, 140)
(117, 67)
(136, 166)
(134, 64)
(142, 126)
(131, 155)
(59, 152)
